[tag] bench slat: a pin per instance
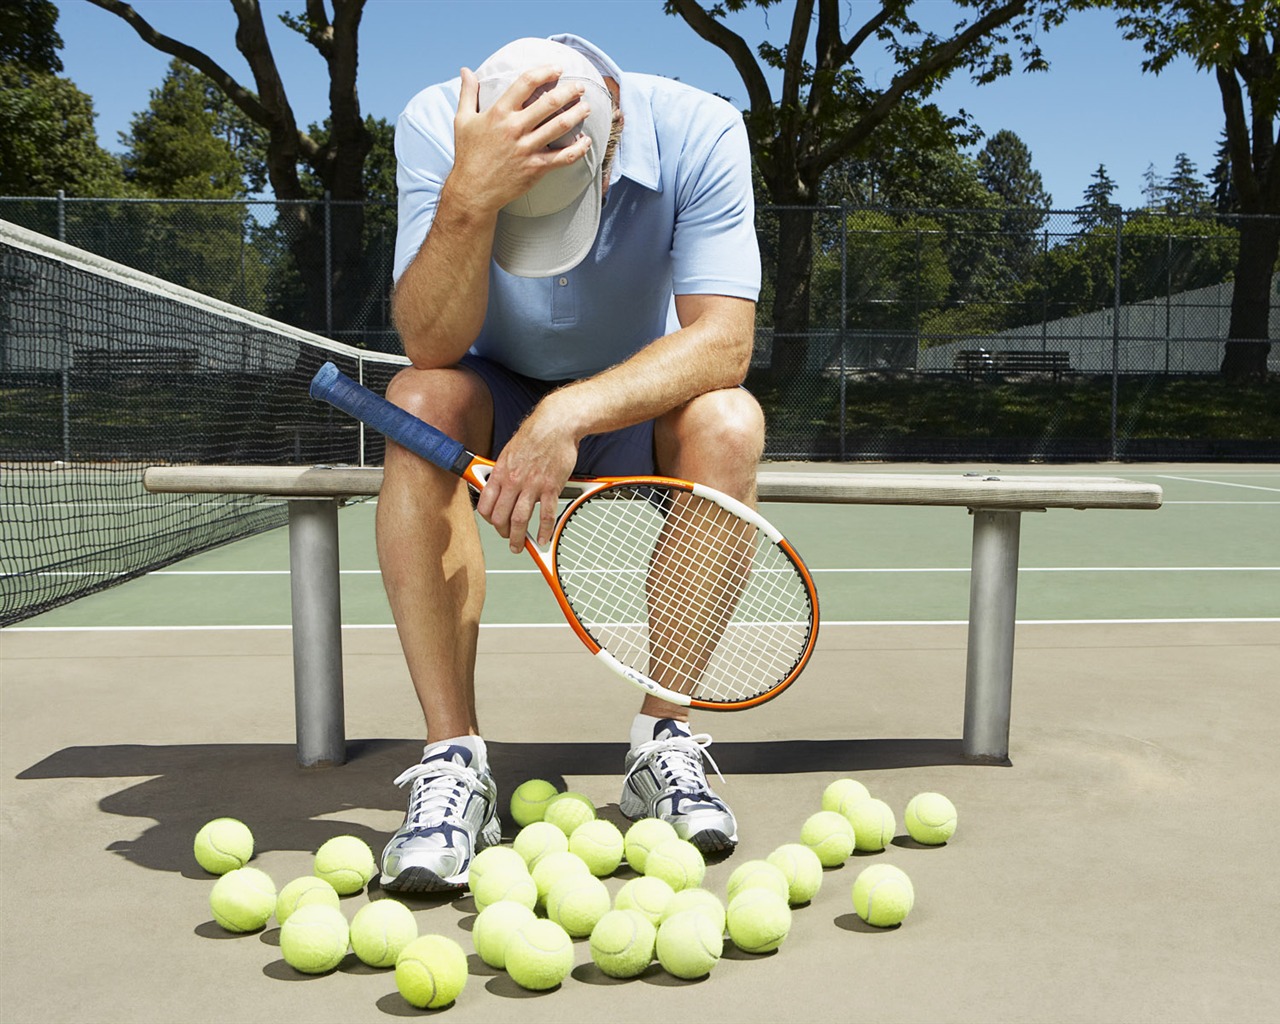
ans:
(994, 490)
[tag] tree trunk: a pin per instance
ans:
(1251, 299)
(791, 294)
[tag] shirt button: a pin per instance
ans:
(563, 281)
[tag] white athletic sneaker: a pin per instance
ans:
(452, 816)
(665, 779)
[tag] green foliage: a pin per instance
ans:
(1159, 255)
(1097, 207)
(945, 415)
(50, 142)
(28, 36)
(191, 142)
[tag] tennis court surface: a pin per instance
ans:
(1121, 868)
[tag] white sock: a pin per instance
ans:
(642, 727)
(475, 744)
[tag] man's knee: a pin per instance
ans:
(453, 400)
(725, 426)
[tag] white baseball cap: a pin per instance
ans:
(551, 228)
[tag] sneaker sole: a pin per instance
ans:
(713, 841)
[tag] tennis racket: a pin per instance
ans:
(677, 588)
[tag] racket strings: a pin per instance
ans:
(678, 588)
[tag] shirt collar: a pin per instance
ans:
(637, 157)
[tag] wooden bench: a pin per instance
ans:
(995, 500)
(981, 360)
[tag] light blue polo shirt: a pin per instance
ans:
(679, 218)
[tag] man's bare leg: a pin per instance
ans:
(717, 439)
(429, 549)
(433, 571)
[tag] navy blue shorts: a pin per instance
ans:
(625, 452)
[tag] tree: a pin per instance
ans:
(29, 37)
(1004, 167)
(1097, 207)
(184, 146)
(49, 140)
(192, 144)
(1223, 197)
(1184, 190)
(827, 108)
(1240, 44)
(337, 162)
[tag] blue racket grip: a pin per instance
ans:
(333, 386)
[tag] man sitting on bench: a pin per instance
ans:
(536, 263)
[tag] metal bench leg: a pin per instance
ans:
(993, 599)
(317, 631)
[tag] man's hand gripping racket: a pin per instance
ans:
(683, 591)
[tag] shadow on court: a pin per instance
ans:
(292, 807)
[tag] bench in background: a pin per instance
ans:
(995, 500)
(975, 361)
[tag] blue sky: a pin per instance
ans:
(1094, 106)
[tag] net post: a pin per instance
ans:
(317, 631)
(993, 599)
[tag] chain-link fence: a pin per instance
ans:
(932, 334)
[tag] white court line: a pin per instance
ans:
(562, 625)
(1221, 483)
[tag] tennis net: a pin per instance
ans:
(104, 371)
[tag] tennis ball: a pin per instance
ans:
(883, 895)
(622, 943)
(576, 902)
(380, 930)
(314, 939)
(243, 900)
(802, 869)
(303, 892)
(555, 866)
(506, 883)
(494, 858)
(569, 810)
(930, 818)
(830, 836)
(535, 841)
(688, 944)
(647, 894)
(529, 801)
(223, 845)
(873, 824)
(645, 835)
(678, 863)
(753, 873)
(704, 901)
(842, 794)
(346, 863)
(494, 926)
(539, 955)
(599, 844)
(431, 972)
(758, 920)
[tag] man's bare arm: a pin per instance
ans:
(499, 154)
(712, 350)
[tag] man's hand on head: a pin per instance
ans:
(502, 152)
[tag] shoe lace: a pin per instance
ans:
(439, 787)
(679, 759)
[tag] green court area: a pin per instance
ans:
(1209, 553)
